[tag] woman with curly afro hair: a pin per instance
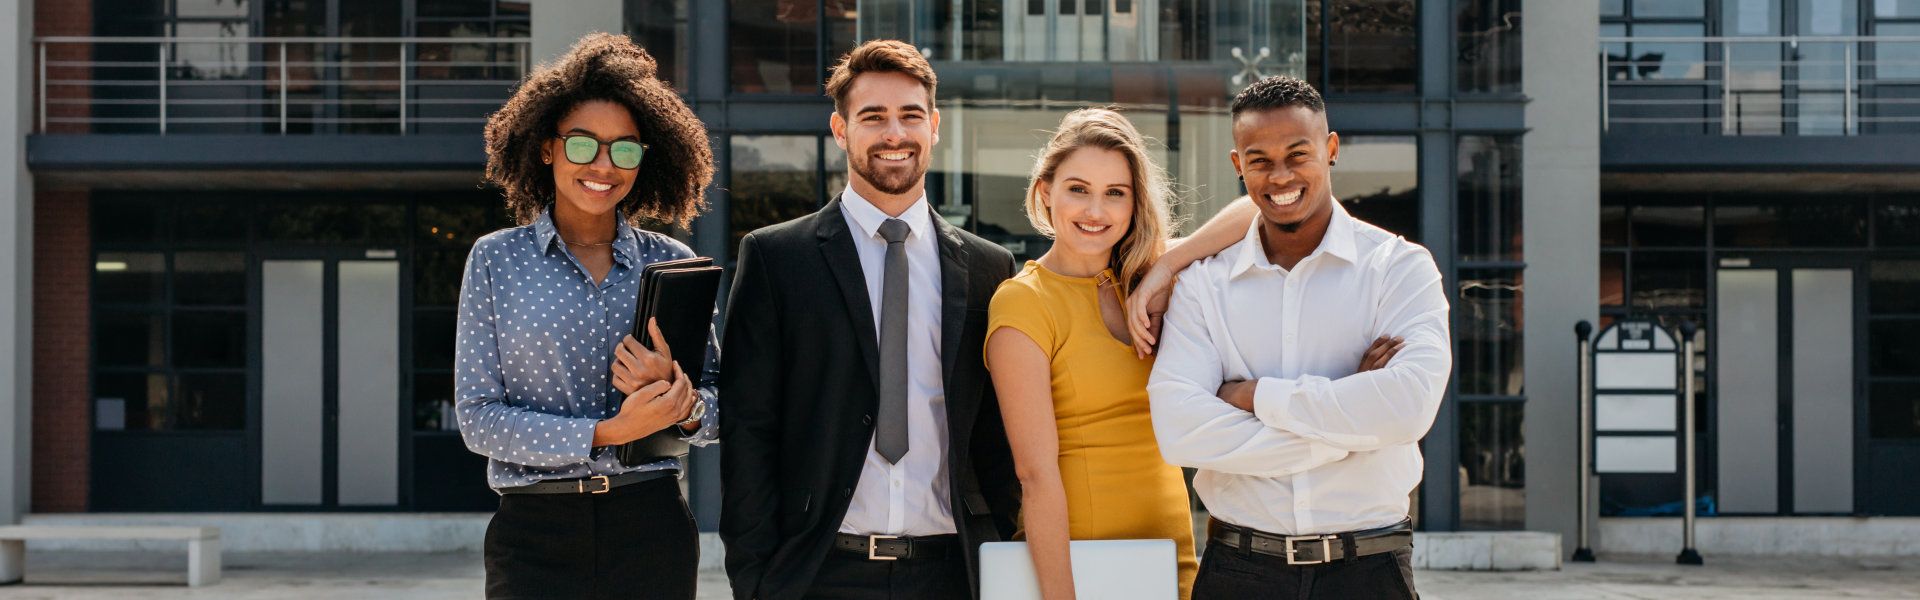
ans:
(549, 381)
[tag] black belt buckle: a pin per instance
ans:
(873, 544)
(1326, 548)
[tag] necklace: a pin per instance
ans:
(590, 245)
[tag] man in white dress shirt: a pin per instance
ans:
(1305, 440)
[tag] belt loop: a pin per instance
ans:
(1351, 545)
(1246, 541)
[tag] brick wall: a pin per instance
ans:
(60, 339)
(64, 17)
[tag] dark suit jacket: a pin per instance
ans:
(800, 386)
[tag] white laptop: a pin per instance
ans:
(1102, 570)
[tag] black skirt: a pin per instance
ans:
(636, 541)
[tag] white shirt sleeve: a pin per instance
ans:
(1195, 427)
(1388, 406)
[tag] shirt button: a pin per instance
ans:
(846, 493)
(866, 420)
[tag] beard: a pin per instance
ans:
(892, 181)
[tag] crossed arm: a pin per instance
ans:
(1301, 423)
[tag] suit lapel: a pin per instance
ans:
(836, 246)
(953, 295)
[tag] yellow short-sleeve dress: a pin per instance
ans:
(1118, 487)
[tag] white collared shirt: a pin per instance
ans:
(909, 497)
(1325, 450)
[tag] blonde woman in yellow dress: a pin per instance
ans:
(1072, 388)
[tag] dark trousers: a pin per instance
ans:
(636, 541)
(1226, 573)
(849, 576)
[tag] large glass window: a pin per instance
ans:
(1363, 46)
(773, 179)
(1489, 46)
(1488, 330)
(169, 327)
(1493, 466)
(1489, 198)
(1378, 181)
(786, 46)
(660, 26)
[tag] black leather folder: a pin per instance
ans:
(680, 294)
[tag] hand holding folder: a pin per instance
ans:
(679, 296)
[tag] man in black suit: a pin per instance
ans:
(864, 452)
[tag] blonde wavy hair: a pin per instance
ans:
(1146, 236)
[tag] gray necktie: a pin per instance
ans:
(890, 434)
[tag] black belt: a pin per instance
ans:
(1314, 549)
(894, 547)
(598, 484)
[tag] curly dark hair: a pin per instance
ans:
(1278, 91)
(672, 182)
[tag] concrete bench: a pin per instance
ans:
(203, 546)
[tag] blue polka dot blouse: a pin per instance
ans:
(535, 352)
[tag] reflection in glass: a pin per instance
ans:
(660, 26)
(210, 278)
(433, 402)
(1489, 198)
(774, 179)
(775, 46)
(1894, 410)
(332, 223)
(132, 277)
(130, 401)
(1613, 226)
(1613, 279)
(127, 222)
(1487, 332)
(1493, 465)
(211, 401)
(1663, 280)
(433, 335)
(1893, 347)
(1378, 180)
(1489, 46)
(129, 339)
(203, 338)
(1668, 8)
(1894, 287)
(1827, 222)
(212, 222)
(1372, 47)
(1669, 226)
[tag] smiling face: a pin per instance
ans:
(1284, 156)
(598, 187)
(1090, 202)
(887, 132)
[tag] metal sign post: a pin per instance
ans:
(1583, 332)
(1688, 556)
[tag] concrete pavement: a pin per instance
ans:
(75, 575)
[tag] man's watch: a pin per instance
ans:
(699, 411)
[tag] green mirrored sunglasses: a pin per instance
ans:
(581, 150)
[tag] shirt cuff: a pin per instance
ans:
(1272, 397)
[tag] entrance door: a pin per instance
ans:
(1787, 372)
(330, 422)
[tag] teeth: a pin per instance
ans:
(1284, 199)
(598, 187)
(895, 155)
(1090, 228)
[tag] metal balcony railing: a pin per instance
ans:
(1837, 85)
(284, 85)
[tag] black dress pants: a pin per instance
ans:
(637, 541)
(1230, 574)
(849, 576)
